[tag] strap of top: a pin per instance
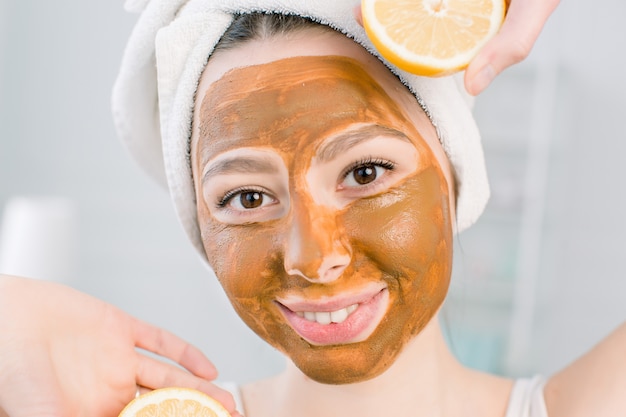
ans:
(233, 388)
(527, 398)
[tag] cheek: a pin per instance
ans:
(248, 263)
(244, 258)
(407, 230)
(407, 233)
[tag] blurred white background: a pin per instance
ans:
(537, 281)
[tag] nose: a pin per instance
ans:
(315, 248)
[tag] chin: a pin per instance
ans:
(349, 363)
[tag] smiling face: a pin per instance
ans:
(322, 202)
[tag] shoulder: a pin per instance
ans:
(593, 385)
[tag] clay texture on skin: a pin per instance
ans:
(400, 237)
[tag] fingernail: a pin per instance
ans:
(484, 77)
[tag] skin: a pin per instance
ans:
(570, 393)
(65, 353)
(312, 237)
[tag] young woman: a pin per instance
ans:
(325, 203)
(321, 195)
(328, 218)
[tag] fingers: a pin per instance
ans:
(168, 345)
(154, 374)
(521, 27)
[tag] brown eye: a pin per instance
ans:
(251, 199)
(365, 174)
(246, 199)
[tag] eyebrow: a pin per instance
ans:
(239, 165)
(344, 141)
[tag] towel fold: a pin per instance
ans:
(153, 96)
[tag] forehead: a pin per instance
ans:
(292, 102)
(255, 53)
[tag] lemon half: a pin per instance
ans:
(174, 402)
(431, 37)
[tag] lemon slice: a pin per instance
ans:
(174, 402)
(431, 37)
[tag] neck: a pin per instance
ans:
(421, 382)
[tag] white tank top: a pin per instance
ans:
(526, 398)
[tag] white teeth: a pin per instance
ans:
(339, 315)
(322, 317)
(327, 317)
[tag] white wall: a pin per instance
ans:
(57, 138)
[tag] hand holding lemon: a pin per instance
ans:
(439, 37)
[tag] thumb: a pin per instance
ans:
(512, 44)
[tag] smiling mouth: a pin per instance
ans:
(331, 323)
(327, 317)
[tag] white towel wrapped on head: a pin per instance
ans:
(153, 97)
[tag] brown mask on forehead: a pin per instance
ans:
(293, 105)
(400, 237)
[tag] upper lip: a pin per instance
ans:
(332, 303)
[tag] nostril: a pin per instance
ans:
(334, 270)
(324, 274)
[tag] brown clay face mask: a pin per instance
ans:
(323, 212)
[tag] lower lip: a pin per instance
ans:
(357, 327)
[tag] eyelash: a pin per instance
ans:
(384, 163)
(226, 198)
